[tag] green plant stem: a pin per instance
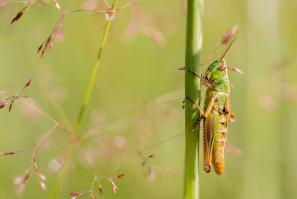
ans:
(70, 150)
(193, 91)
(93, 77)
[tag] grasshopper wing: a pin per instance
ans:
(210, 128)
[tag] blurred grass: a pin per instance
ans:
(136, 71)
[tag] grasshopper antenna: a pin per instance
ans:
(228, 48)
(225, 52)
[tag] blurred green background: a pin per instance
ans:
(136, 108)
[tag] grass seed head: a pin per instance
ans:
(20, 14)
(229, 34)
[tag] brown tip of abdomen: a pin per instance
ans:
(219, 168)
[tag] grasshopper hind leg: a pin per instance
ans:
(207, 168)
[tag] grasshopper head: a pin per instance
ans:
(219, 68)
(217, 65)
(216, 69)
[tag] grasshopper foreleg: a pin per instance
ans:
(203, 81)
(197, 123)
(195, 103)
(191, 71)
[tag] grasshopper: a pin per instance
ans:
(216, 113)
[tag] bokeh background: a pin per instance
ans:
(136, 108)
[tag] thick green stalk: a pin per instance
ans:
(93, 77)
(193, 91)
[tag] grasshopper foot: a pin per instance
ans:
(201, 118)
(207, 168)
(191, 71)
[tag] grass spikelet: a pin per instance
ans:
(20, 14)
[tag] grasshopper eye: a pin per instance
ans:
(222, 67)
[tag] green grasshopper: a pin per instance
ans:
(216, 113)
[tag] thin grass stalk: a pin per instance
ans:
(192, 91)
(69, 154)
(93, 76)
